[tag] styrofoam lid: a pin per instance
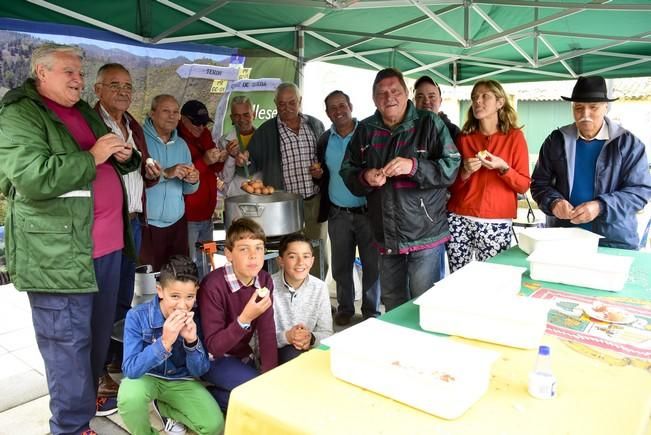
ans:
(514, 308)
(385, 341)
(593, 261)
(498, 279)
(561, 234)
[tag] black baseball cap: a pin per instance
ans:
(196, 112)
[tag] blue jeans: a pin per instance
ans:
(407, 276)
(225, 374)
(199, 231)
(348, 231)
(73, 332)
(288, 353)
(125, 294)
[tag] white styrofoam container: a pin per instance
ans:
(497, 279)
(575, 240)
(430, 373)
(515, 321)
(598, 271)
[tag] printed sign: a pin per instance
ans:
(199, 71)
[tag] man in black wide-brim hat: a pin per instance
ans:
(593, 173)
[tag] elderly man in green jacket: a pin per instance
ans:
(65, 229)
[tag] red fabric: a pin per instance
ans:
(200, 205)
(107, 230)
(487, 193)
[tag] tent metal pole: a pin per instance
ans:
(546, 20)
(566, 4)
(597, 36)
(191, 19)
(555, 53)
(300, 61)
(349, 53)
(615, 67)
(578, 53)
(395, 28)
(234, 32)
(508, 39)
(433, 71)
(87, 19)
(438, 20)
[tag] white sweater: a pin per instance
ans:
(309, 304)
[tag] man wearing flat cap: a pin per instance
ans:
(593, 173)
(208, 159)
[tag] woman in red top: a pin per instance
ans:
(495, 169)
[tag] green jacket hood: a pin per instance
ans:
(26, 90)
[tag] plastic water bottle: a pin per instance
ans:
(542, 383)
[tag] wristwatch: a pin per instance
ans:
(245, 326)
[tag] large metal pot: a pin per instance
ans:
(278, 214)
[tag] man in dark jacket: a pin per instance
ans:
(427, 96)
(593, 173)
(67, 227)
(284, 149)
(403, 160)
(348, 223)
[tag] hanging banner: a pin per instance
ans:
(247, 85)
(199, 71)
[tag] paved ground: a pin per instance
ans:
(23, 389)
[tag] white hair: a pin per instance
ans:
(241, 99)
(160, 98)
(44, 55)
(287, 85)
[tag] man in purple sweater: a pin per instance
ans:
(235, 302)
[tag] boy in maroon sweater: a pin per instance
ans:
(233, 305)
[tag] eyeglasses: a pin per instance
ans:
(117, 87)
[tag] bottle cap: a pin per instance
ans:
(543, 350)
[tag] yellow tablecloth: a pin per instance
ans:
(303, 397)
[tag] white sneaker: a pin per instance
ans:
(173, 427)
(170, 426)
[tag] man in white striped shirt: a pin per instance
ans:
(114, 89)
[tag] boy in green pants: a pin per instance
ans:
(162, 357)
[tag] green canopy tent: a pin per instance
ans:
(458, 41)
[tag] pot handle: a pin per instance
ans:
(251, 210)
